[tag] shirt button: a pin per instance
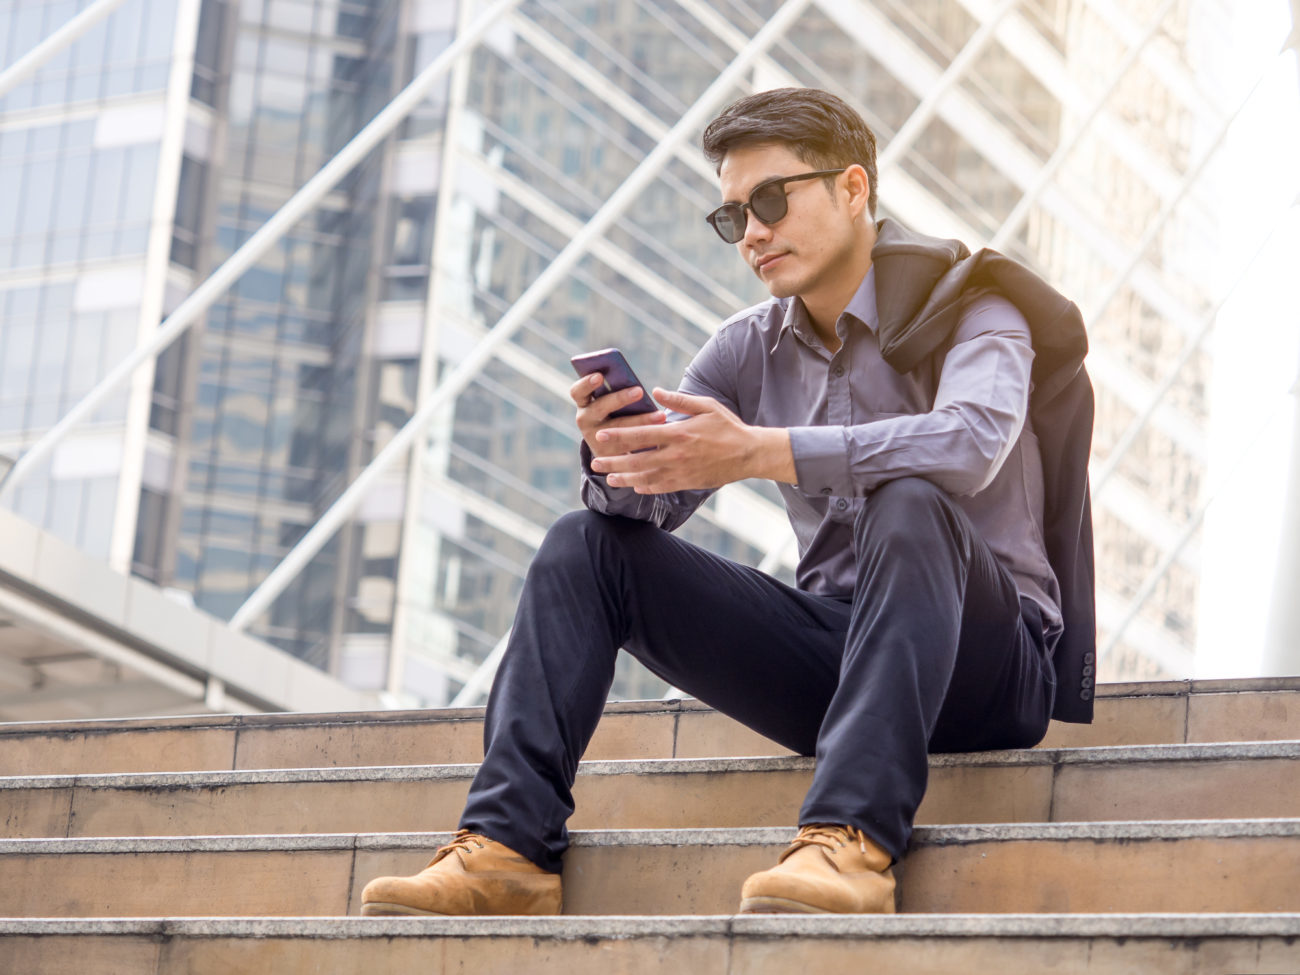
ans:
(826, 490)
(839, 371)
(842, 504)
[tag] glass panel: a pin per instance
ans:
(84, 365)
(63, 517)
(159, 28)
(74, 178)
(38, 199)
(100, 511)
(11, 177)
(124, 31)
(106, 186)
(141, 168)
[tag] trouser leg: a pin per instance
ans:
(939, 656)
(760, 651)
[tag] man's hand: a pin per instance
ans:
(709, 449)
(594, 411)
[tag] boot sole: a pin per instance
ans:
(382, 909)
(386, 909)
(778, 905)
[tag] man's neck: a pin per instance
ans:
(825, 306)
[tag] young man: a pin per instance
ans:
(886, 388)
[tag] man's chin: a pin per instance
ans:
(777, 285)
(781, 289)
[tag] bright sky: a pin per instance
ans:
(1256, 349)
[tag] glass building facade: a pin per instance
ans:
(141, 158)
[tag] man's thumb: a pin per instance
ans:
(683, 402)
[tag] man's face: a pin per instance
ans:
(802, 252)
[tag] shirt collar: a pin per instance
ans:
(862, 306)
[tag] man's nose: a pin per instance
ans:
(755, 229)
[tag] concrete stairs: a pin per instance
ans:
(1162, 838)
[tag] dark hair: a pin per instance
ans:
(818, 127)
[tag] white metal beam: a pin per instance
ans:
(913, 68)
(1042, 60)
(912, 202)
(598, 85)
(1189, 530)
(519, 312)
(1190, 179)
(30, 63)
(298, 206)
(1190, 346)
(481, 680)
(1171, 71)
(542, 207)
(925, 111)
(31, 613)
(1011, 226)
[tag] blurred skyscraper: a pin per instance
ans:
(136, 162)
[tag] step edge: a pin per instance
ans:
(1133, 689)
(628, 927)
(1027, 758)
(923, 836)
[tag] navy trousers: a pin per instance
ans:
(935, 651)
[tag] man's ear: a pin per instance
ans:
(858, 187)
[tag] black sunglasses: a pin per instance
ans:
(767, 201)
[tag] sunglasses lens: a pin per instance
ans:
(769, 203)
(729, 222)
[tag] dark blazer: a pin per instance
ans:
(921, 285)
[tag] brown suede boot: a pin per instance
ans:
(828, 869)
(470, 875)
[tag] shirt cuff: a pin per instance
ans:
(821, 460)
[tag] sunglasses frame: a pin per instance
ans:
(780, 181)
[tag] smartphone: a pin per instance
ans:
(612, 364)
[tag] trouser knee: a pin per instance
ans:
(905, 512)
(580, 537)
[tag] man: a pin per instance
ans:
(926, 611)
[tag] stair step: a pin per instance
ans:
(1237, 780)
(1107, 944)
(1127, 714)
(1193, 866)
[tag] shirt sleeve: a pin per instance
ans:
(978, 413)
(706, 373)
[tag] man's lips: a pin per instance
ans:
(766, 260)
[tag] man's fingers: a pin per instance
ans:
(685, 402)
(598, 407)
(632, 436)
(580, 392)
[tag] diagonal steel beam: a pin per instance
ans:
(1011, 226)
(1139, 422)
(481, 680)
(925, 111)
(528, 302)
(1157, 224)
(298, 206)
(29, 63)
(1188, 533)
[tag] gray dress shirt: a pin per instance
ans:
(960, 420)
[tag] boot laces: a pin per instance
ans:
(830, 835)
(463, 840)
